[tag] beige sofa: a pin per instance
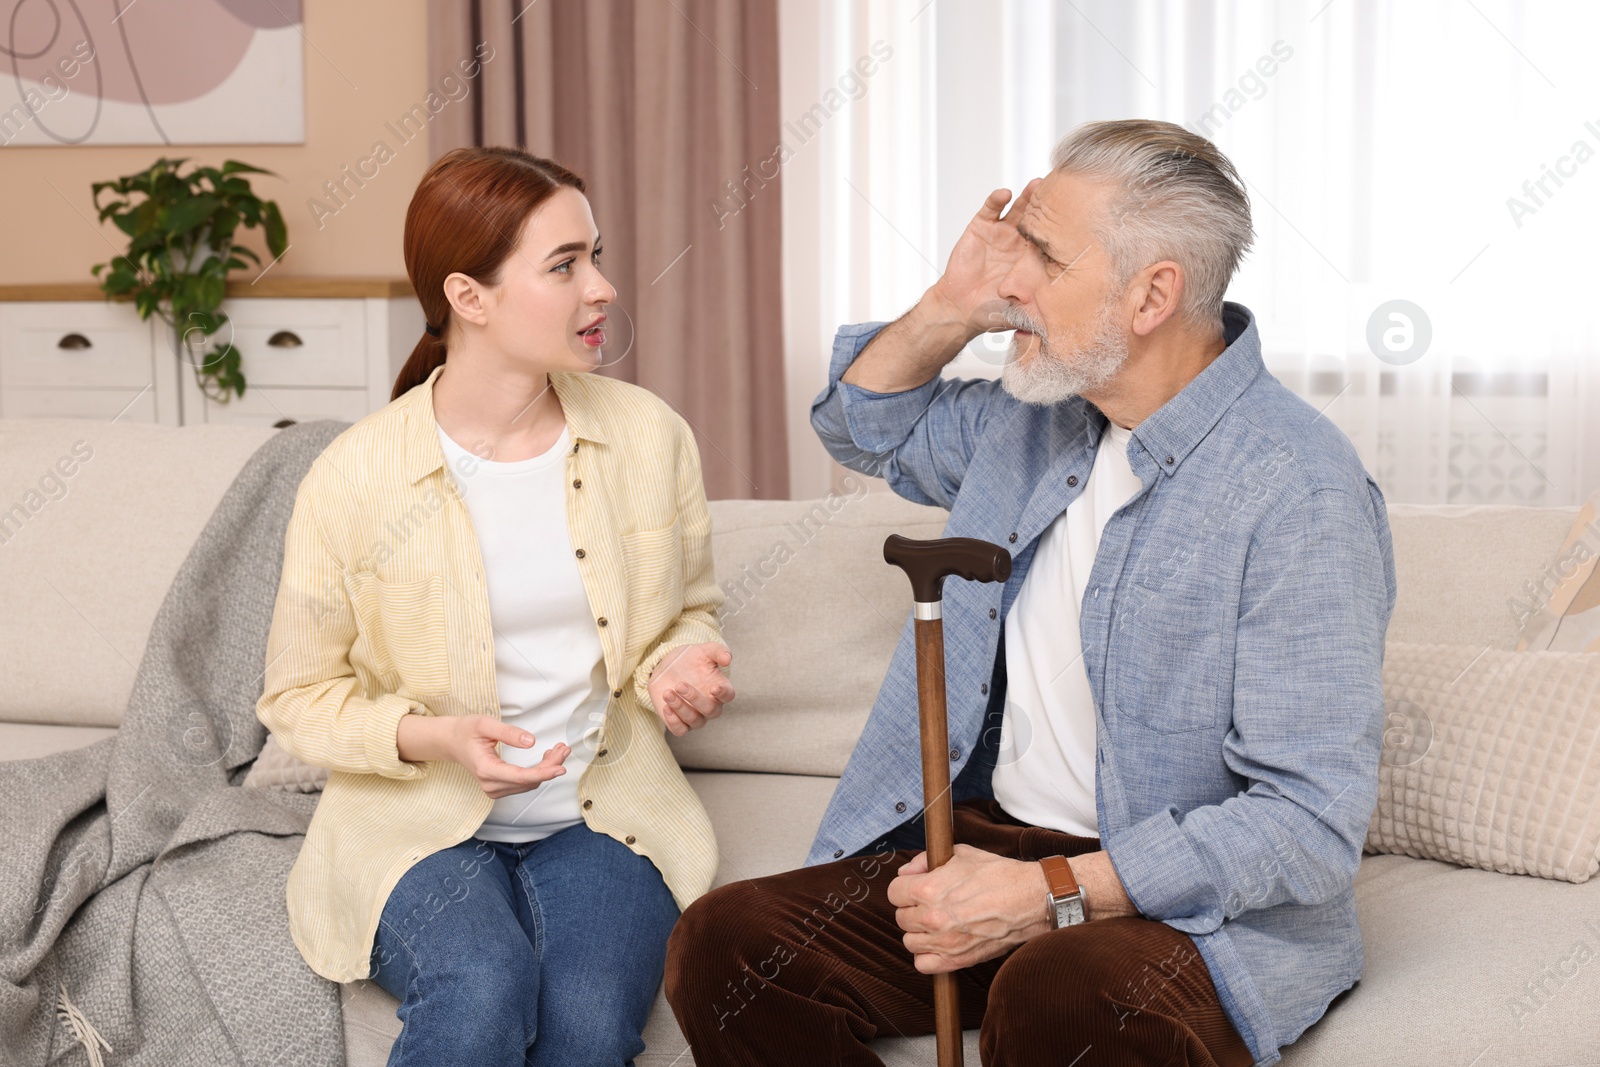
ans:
(1462, 965)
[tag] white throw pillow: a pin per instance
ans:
(1491, 759)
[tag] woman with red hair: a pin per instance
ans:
(497, 597)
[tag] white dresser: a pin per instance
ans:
(310, 348)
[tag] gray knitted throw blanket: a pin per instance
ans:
(141, 888)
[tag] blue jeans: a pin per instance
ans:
(548, 952)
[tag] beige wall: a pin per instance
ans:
(365, 66)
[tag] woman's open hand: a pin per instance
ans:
(687, 688)
(476, 741)
(470, 740)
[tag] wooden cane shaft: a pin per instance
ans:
(937, 820)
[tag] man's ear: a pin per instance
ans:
(1156, 292)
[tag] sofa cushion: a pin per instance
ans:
(812, 616)
(1460, 568)
(1465, 966)
(95, 518)
(30, 740)
(1489, 759)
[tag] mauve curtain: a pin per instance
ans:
(659, 105)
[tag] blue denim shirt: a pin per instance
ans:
(1233, 634)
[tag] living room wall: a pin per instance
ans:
(354, 92)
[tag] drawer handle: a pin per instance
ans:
(285, 339)
(74, 341)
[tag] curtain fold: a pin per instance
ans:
(659, 105)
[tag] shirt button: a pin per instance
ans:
(580, 553)
(601, 620)
(602, 752)
(838, 852)
(629, 839)
(1169, 461)
(574, 448)
(991, 613)
(577, 483)
(1072, 479)
(984, 689)
(616, 692)
(1012, 538)
(900, 805)
(588, 804)
(955, 754)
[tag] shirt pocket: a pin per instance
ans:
(1171, 668)
(402, 632)
(652, 564)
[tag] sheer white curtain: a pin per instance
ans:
(1443, 153)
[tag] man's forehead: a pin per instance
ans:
(1059, 215)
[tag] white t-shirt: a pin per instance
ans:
(1045, 771)
(549, 665)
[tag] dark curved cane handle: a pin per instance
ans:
(929, 563)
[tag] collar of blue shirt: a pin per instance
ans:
(1173, 431)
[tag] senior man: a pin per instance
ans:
(1165, 726)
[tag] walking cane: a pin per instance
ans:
(928, 564)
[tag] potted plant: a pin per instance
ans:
(180, 250)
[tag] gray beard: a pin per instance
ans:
(1053, 376)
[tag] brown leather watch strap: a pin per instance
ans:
(1058, 872)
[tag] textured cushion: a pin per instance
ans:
(1490, 761)
(276, 769)
(1563, 609)
(812, 616)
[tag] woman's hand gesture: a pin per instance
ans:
(471, 741)
(477, 740)
(687, 688)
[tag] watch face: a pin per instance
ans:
(1068, 910)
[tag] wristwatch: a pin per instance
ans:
(1064, 899)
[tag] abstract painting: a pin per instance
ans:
(126, 72)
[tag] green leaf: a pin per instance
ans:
(277, 232)
(186, 215)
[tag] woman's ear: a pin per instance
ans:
(466, 298)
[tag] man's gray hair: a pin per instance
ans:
(1180, 199)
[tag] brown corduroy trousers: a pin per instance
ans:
(807, 966)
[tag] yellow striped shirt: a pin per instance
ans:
(382, 611)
